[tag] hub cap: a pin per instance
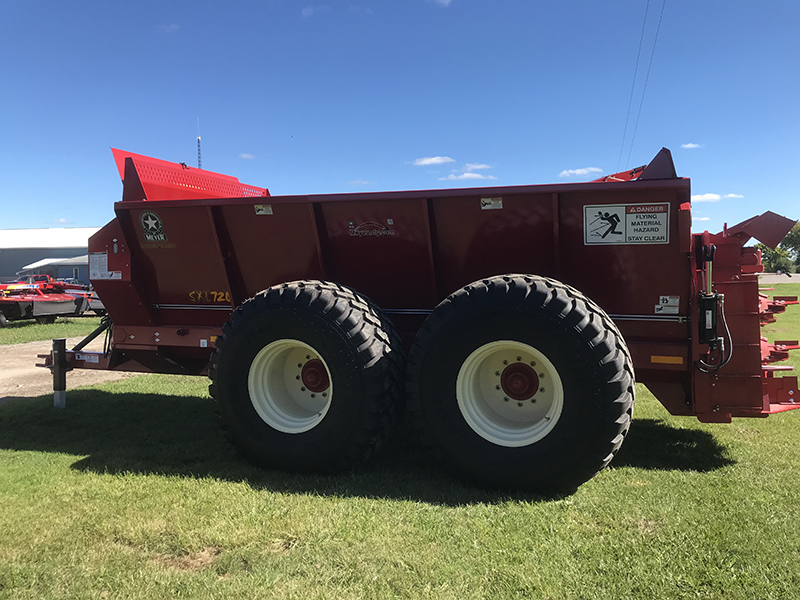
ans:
(509, 393)
(290, 386)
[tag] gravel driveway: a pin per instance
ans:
(20, 378)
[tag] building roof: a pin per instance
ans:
(58, 262)
(62, 237)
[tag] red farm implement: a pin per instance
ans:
(509, 319)
(42, 301)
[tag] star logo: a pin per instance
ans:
(151, 223)
(153, 226)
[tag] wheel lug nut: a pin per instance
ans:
(505, 362)
(505, 398)
(541, 389)
(519, 403)
(299, 365)
(302, 389)
(497, 373)
(497, 387)
(533, 364)
(313, 395)
(297, 377)
(541, 375)
(519, 359)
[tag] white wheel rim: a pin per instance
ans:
(491, 411)
(277, 389)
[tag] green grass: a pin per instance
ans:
(18, 332)
(132, 492)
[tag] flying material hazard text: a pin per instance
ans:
(626, 224)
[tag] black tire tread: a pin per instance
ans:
(596, 330)
(367, 329)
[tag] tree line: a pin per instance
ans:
(786, 257)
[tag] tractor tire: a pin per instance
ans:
(46, 320)
(521, 382)
(308, 377)
(3, 320)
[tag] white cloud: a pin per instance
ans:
(701, 218)
(246, 156)
(444, 3)
(468, 172)
(579, 172)
(476, 166)
(706, 198)
(360, 182)
(360, 9)
(432, 160)
(317, 9)
(690, 146)
(172, 28)
(733, 196)
(467, 175)
(62, 221)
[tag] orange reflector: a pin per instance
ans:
(666, 360)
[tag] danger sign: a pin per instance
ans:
(626, 224)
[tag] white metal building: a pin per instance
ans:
(21, 248)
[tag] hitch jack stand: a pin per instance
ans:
(60, 368)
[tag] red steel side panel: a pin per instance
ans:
(381, 248)
(194, 260)
(269, 248)
(629, 279)
(112, 275)
(482, 235)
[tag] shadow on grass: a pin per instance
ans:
(179, 435)
(654, 444)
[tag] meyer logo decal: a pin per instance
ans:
(153, 226)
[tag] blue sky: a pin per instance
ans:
(342, 96)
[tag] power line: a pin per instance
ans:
(646, 79)
(633, 86)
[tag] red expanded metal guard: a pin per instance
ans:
(163, 180)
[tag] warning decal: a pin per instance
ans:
(98, 267)
(626, 224)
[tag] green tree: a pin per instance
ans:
(775, 260)
(791, 243)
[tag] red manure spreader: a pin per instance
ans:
(510, 323)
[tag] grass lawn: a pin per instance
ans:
(17, 332)
(132, 492)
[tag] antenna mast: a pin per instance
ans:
(199, 162)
